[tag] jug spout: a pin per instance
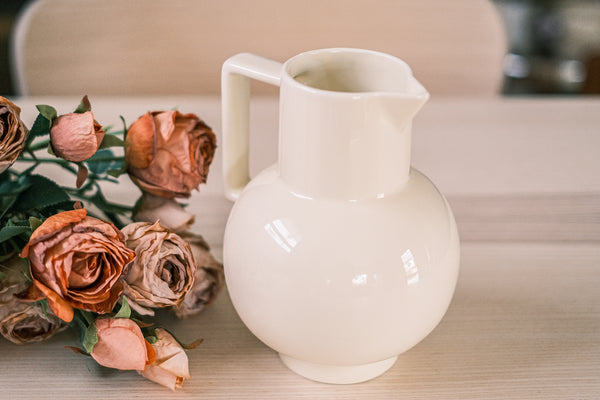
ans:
(345, 123)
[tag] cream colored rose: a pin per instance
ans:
(208, 282)
(12, 133)
(170, 368)
(163, 271)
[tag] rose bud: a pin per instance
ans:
(169, 153)
(208, 281)
(12, 133)
(171, 365)
(76, 136)
(76, 262)
(121, 345)
(163, 270)
(151, 208)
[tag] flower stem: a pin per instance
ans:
(40, 145)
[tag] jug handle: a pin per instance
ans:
(235, 112)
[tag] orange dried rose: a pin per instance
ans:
(76, 136)
(169, 153)
(121, 345)
(12, 133)
(76, 262)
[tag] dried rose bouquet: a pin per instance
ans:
(70, 258)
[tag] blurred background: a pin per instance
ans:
(553, 46)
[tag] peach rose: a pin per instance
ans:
(76, 262)
(163, 271)
(208, 281)
(76, 136)
(170, 368)
(169, 153)
(121, 345)
(12, 133)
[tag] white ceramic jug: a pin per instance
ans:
(340, 256)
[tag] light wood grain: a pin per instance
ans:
(178, 46)
(523, 323)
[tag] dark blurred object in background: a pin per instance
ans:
(8, 12)
(554, 46)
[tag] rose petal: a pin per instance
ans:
(139, 142)
(60, 307)
(171, 365)
(52, 224)
(120, 345)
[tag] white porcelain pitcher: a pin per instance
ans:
(340, 256)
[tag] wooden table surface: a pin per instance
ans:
(523, 178)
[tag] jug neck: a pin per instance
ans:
(345, 123)
(344, 147)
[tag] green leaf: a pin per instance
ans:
(41, 193)
(40, 127)
(111, 141)
(108, 209)
(11, 231)
(44, 306)
(34, 223)
(57, 207)
(151, 339)
(2, 275)
(90, 338)
(103, 161)
(47, 111)
(124, 126)
(125, 311)
(117, 172)
(19, 222)
(84, 106)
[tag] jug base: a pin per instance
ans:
(338, 374)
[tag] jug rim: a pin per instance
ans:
(413, 88)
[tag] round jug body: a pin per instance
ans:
(340, 287)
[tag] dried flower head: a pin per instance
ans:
(76, 136)
(12, 133)
(76, 262)
(163, 271)
(169, 153)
